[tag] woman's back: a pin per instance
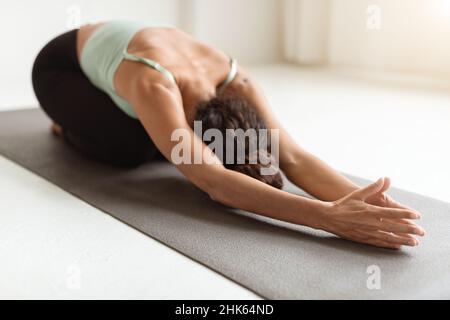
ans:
(197, 68)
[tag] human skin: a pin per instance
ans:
(366, 215)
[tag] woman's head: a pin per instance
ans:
(232, 113)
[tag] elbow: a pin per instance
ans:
(292, 161)
(215, 187)
(221, 198)
(217, 194)
(214, 197)
(212, 179)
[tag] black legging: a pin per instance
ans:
(91, 122)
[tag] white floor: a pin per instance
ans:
(54, 246)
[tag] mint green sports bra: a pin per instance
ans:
(107, 48)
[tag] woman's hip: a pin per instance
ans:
(57, 57)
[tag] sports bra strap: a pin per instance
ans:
(231, 75)
(152, 64)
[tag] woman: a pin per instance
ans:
(117, 91)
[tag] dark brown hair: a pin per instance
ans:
(230, 112)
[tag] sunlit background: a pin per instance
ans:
(408, 36)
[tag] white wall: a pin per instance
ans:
(410, 36)
(413, 36)
(25, 26)
(306, 29)
(246, 29)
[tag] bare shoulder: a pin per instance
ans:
(145, 85)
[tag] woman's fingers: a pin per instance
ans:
(394, 213)
(383, 244)
(381, 239)
(390, 226)
(405, 235)
(386, 185)
(404, 221)
(391, 203)
(370, 190)
(387, 239)
(397, 221)
(369, 239)
(396, 238)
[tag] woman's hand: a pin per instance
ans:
(380, 199)
(368, 216)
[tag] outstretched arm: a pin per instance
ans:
(301, 167)
(159, 108)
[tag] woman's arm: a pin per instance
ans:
(159, 107)
(301, 167)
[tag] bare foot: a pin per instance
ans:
(57, 130)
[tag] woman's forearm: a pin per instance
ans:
(350, 218)
(242, 192)
(318, 179)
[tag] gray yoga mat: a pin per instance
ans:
(275, 260)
